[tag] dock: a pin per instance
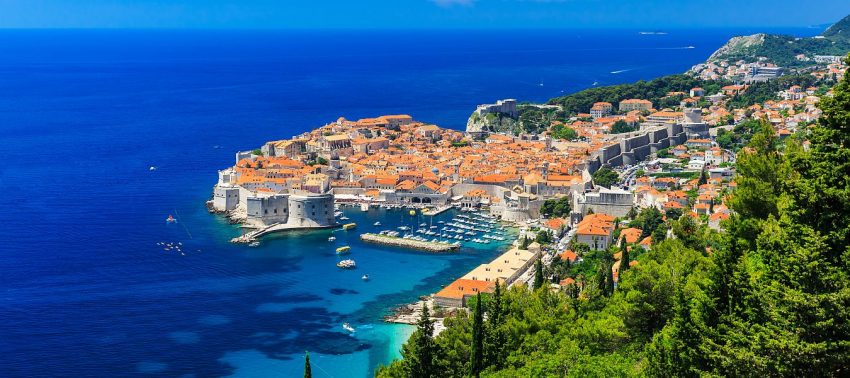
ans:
(438, 211)
(407, 243)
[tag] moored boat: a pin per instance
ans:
(343, 250)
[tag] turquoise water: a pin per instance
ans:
(397, 276)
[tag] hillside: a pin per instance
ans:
(782, 49)
(654, 90)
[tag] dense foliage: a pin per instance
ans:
(654, 90)
(563, 132)
(759, 92)
(556, 207)
(782, 49)
(768, 297)
(621, 126)
(605, 177)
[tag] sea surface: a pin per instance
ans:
(86, 291)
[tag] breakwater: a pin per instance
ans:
(408, 243)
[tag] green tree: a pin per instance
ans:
(703, 179)
(556, 207)
(524, 242)
(496, 338)
(538, 275)
(564, 132)
(620, 127)
(648, 220)
(420, 352)
(308, 373)
(543, 237)
(477, 361)
(605, 177)
(625, 259)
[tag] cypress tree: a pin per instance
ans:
(308, 373)
(524, 243)
(494, 350)
(477, 362)
(538, 274)
(624, 261)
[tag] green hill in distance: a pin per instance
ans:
(783, 49)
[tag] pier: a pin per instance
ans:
(277, 227)
(439, 210)
(408, 243)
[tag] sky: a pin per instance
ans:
(417, 14)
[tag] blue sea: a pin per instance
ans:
(85, 291)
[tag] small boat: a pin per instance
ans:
(349, 226)
(404, 228)
(377, 224)
(364, 207)
(171, 219)
(332, 238)
(365, 277)
(343, 250)
(343, 218)
(152, 168)
(346, 264)
(348, 327)
(254, 244)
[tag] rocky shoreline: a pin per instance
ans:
(411, 312)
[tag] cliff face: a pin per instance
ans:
(490, 123)
(738, 46)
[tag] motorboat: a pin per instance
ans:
(349, 226)
(347, 327)
(377, 224)
(332, 238)
(346, 264)
(152, 168)
(171, 219)
(254, 244)
(404, 228)
(365, 277)
(343, 250)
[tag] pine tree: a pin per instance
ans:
(538, 274)
(477, 362)
(420, 351)
(308, 373)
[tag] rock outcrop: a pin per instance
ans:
(738, 45)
